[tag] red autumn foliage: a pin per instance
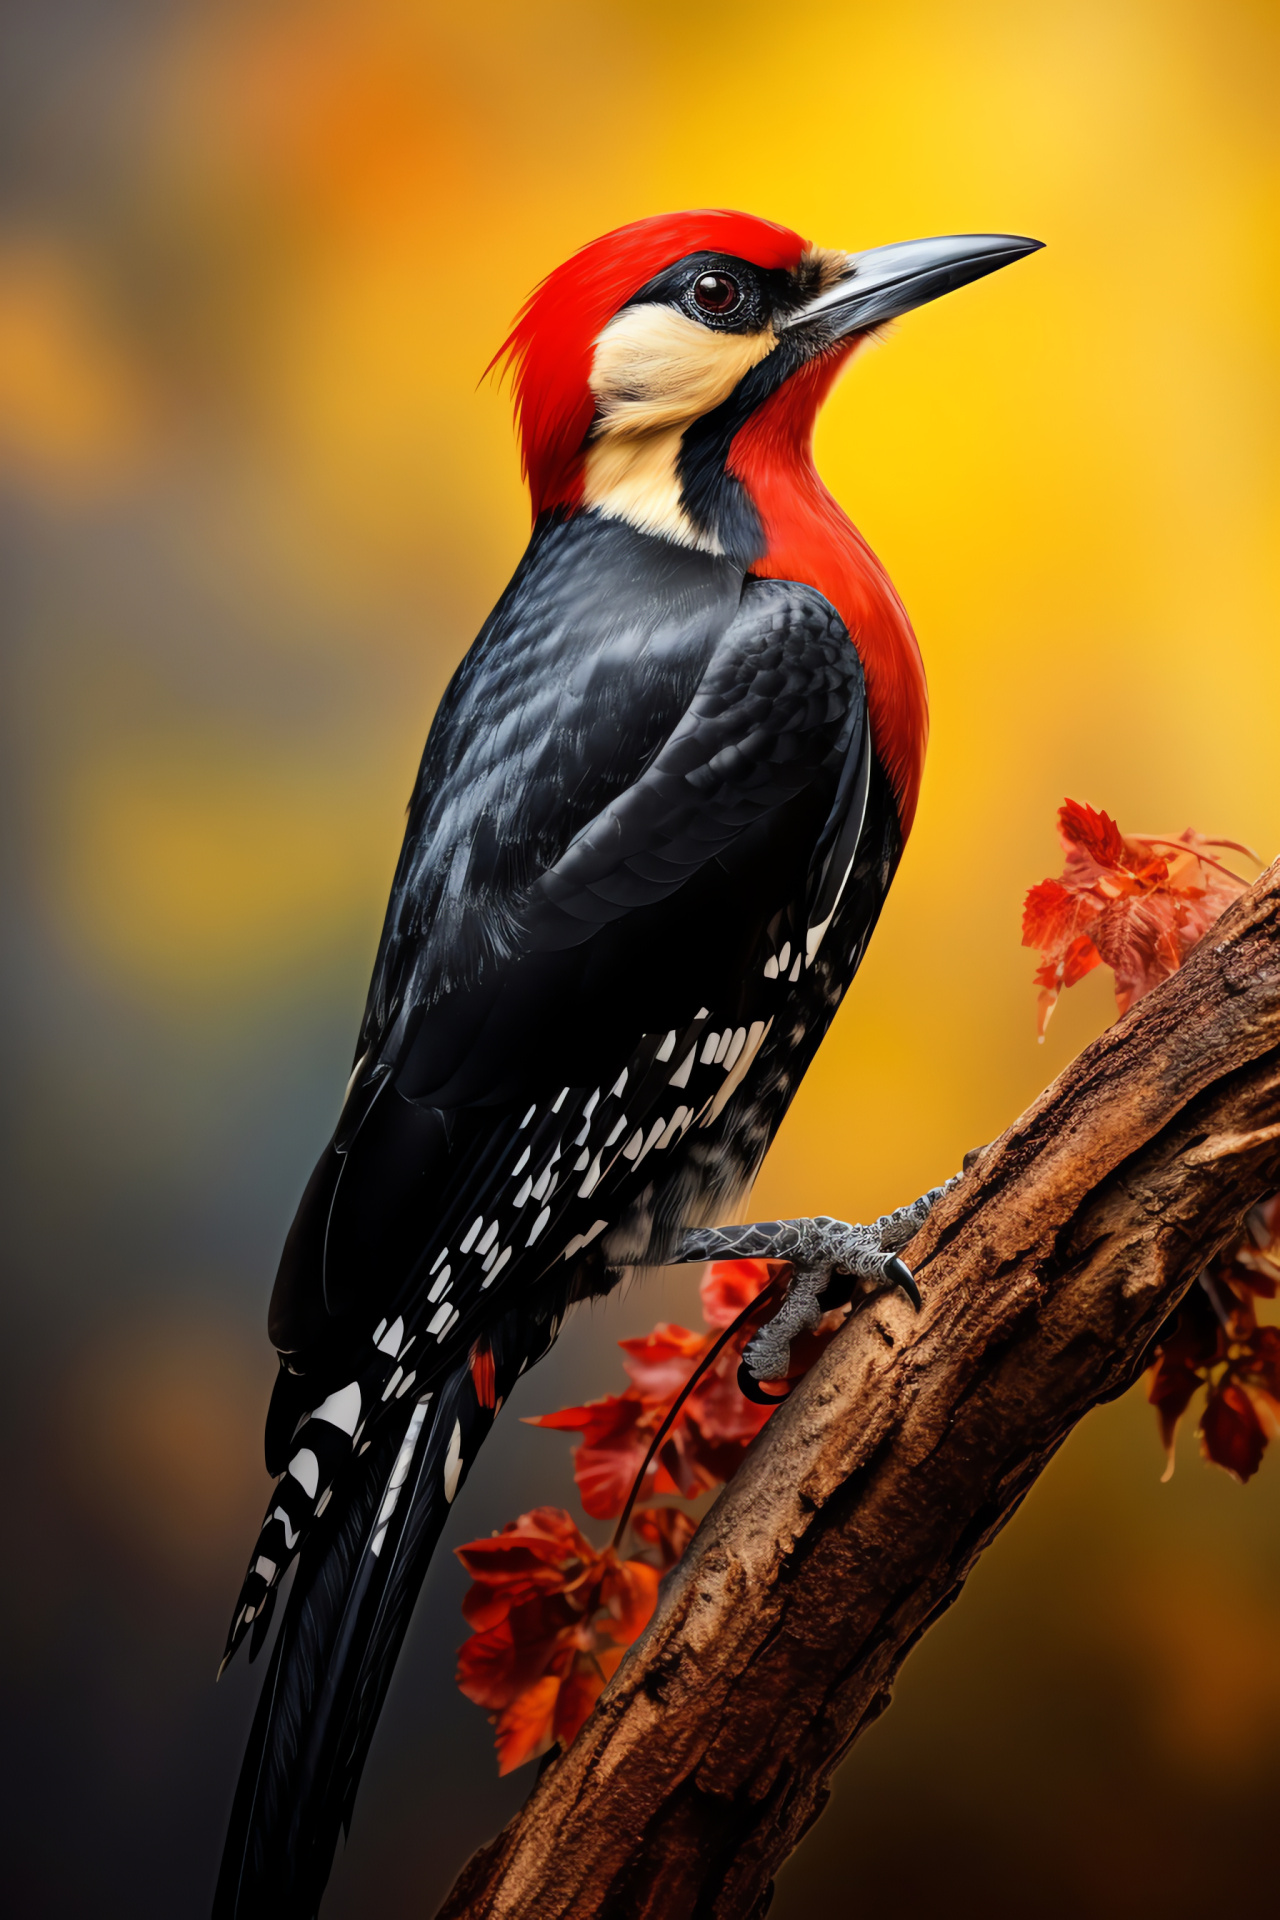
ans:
(551, 1616)
(1136, 903)
(1215, 1342)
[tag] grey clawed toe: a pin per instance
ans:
(818, 1250)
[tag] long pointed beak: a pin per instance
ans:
(887, 281)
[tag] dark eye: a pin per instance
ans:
(717, 293)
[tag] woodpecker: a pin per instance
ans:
(657, 815)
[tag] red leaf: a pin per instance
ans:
(1053, 916)
(707, 1439)
(1095, 835)
(1264, 1361)
(540, 1553)
(616, 1432)
(554, 1618)
(502, 1662)
(605, 1476)
(686, 1468)
(1255, 1271)
(660, 1362)
(524, 1729)
(1231, 1433)
(1173, 1384)
(629, 1593)
(579, 1691)
(730, 1285)
(719, 1410)
(528, 1552)
(1139, 904)
(528, 1548)
(1191, 1344)
(598, 1421)
(1255, 1260)
(669, 1529)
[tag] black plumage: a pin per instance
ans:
(648, 842)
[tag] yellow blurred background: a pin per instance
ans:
(255, 502)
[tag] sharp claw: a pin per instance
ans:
(899, 1274)
(752, 1389)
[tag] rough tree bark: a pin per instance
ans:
(863, 1506)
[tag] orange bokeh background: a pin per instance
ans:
(255, 500)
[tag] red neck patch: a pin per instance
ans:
(810, 538)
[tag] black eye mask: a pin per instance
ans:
(696, 286)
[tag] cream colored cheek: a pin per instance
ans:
(654, 368)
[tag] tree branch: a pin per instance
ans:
(864, 1504)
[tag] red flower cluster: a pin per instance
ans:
(1136, 904)
(552, 1618)
(1214, 1341)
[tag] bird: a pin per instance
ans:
(656, 818)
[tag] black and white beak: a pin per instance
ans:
(885, 282)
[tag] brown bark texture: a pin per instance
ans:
(862, 1507)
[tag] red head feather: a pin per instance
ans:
(549, 349)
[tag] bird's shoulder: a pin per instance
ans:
(609, 650)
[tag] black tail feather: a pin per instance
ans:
(269, 1863)
(325, 1685)
(358, 1577)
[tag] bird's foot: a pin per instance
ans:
(830, 1261)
